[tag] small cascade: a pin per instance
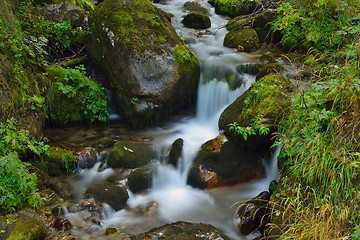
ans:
(113, 111)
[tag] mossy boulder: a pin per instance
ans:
(25, 226)
(83, 4)
(244, 40)
(220, 162)
(196, 20)
(127, 154)
(195, 7)
(150, 69)
(183, 231)
(111, 193)
(140, 179)
(63, 12)
(73, 98)
(59, 161)
(238, 22)
(233, 8)
(265, 104)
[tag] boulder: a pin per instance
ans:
(271, 68)
(87, 157)
(245, 40)
(150, 69)
(253, 214)
(59, 161)
(110, 193)
(176, 151)
(83, 4)
(264, 104)
(233, 8)
(195, 7)
(63, 12)
(182, 231)
(250, 68)
(127, 154)
(140, 179)
(25, 226)
(196, 20)
(220, 162)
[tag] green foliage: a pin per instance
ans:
(65, 157)
(14, 140)
(135, 100)
(181, 54)
(36, 102)
(88, 93)
(323, 24)
(257, 127)
(17, 186)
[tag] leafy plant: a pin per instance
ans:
(36, 102)
(256, 127)
(18, 187)
(135, 100)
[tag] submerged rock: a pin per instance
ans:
(176, 151)
(140, 179)
(183, 231)
(150, 69)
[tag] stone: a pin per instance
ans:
(250, 68)
(235, 8)
(182, 231)
(63, 12)
(221, 162)
(195, 7)
(59, 161)
(176, 151)
(140, 179)
(127, 154)
(196, 20)
(252, 215)
(151, 71)
(87, 158)
(110, 193)
(269, 69)
(245, 40)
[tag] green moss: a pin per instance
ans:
(234, 8)
(28, 228)
(247, 39)
(60, 161)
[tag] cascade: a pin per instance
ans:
(175, 199)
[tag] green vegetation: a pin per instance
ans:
(18, 187)
(75, 97)
(319, 192)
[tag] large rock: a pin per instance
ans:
(233, 8)
(140, 179)
(183, 231)
(127, 154)
(196, 20)
(26, 226)
(264, 104)
(110, 193)
(221, 162)
(245, 40)
(149, 67)
(176, 151)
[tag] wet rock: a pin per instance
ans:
(61, 224)
(149, 67)
(269, 98)
(115, 236)
(252, 215)
(87, 158)
(57, 211)
(244, 40)
(196, 20)
(264, 18)
(241, 7)
(25, 226)
(220, 162)
(110, 230)
(238, 22)
(60, 186)
(183, 231)
(176, 151)
(140, 179)
(272, 186)
(110, 193)
(195, 7)
(63, 12)
(127, 154)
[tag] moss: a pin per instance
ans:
(87, 5)
(28, 228)
(185, 59)
(59, 161)
(234, 8)
(195, 7)
(196, 20)
(246, 39)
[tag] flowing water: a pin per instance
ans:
(174, 198)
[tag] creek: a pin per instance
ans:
(174, 198)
